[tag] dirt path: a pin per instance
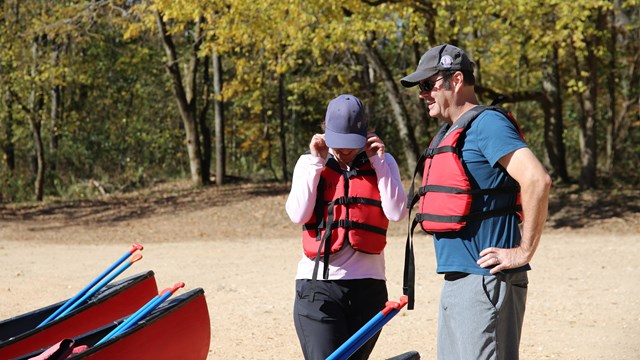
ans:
(584, 297)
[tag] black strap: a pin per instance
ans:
(319, 208)
(480, 215)
(326, 244)
(355, 170)
(358, 172)
(409, 279)
(365, 201)
(332, 164)
(343, 200)
(467, 118)
(409, 276)
(350, 224)
(431, 152)
(454, 190)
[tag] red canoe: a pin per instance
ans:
(178, 329)
(19, 335)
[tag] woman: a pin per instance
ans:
(344, 192)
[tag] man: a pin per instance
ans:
(480, 249)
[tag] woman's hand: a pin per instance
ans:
(374, 145)
(318, 147)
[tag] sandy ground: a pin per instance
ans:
(584, 294)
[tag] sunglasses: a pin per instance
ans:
(427, 85)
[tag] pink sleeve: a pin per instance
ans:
(394, 199)
(302, 197)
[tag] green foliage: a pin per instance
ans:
(120, 125)
(14, 188)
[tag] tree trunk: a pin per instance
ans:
(218, 118)
(400, 115)
(282, 133)
(588, 141)
(611, 87)
(426, 126)
(553, 123)
(56, 114)
(588, 134)
(626, 116)
(266, 137)
(586, 137)
(625, 75)
(186, 107)
(205, 130)
(8, 147)
(35, 107)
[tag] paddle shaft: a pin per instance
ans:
(92, 284)
(104, 282)
(142, 312)
(368, 330)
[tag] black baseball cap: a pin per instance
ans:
(436, 59)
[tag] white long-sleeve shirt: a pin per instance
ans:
(347, 263)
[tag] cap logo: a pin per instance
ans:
(446, 61)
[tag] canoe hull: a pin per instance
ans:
(179, 330)
(113, 302)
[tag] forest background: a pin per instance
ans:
(100, 96)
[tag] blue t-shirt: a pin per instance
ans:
(489, 137)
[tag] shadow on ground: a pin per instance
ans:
(569, 206)
(163, 199)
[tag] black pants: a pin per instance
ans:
(338, 310)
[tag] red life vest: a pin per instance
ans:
(348, 207)
(446, 193)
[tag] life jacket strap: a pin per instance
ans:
(409, 275)
(480, 215)
(350, 224)
(363, 200)
(326, 243)
(431, 152)
(358, 172)
(341, 201)
(454, 190)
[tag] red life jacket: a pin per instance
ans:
(348, 207)
(446, 193)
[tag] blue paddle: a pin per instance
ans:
(104, 282)
(368, 330)
(71, 301)
(141, 313)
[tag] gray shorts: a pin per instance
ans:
(481, 317)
